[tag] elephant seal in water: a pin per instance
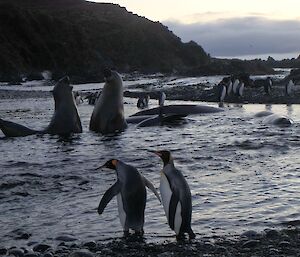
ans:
(279, 120)
(273, 118)
(65, 119)
(108, 114)
(180, 109)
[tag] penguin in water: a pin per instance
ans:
(176, 197)
(131, 196)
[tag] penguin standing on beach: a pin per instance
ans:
(229, 87)
(289, 88)
(131, 196)
(235, 86)
(268, 85)
(240, 89)
(221, 92)
(176, 197)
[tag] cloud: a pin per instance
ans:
(250, 35)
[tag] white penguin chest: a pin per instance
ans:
(165, 192)
(122, 214)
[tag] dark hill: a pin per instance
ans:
(79, 38)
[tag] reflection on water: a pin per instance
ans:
(243, 174)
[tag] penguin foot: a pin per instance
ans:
(139, 233)
(126, 233)
(180, 237)
(191, 235)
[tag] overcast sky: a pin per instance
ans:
(228, 28)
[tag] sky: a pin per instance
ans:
(228, 28)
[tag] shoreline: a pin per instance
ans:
(270, 242)
(184, 93)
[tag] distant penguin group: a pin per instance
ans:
(230, 86)
(131, 196)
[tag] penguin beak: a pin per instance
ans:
(155, 152)
(100, 167)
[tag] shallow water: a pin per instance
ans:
(243, 174)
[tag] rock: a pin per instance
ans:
(272, 233)
(221, 249)
(90, 245)
(284, 244)
(16, 252)
(23, 236)
(31, 255)
(3, 251)
(32, 243)
(47, 255)
(209, 246)
(250, 244)
(66, 238)
(165, 254)
(251, 234)
(41, 248)
(81, 253)
(273, 251)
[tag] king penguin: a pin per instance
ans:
(131, 196)
(289, 88)
(235, 86)
(221, 92)
(240, 89)
(176, 197)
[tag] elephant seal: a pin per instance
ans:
(159, 120)
(180, 109)
(11, 129)
(108, 114)
(279, 120)
(65, 119)
(273, 118)
(263, 114)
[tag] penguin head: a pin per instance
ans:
(164, 155)
(111, 164)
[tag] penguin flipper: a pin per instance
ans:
(172, 209)
(108, 195)
(151, 187)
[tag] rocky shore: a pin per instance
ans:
(199, 92)
(273, 243)
(202, 92)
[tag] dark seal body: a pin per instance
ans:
(108, 114)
